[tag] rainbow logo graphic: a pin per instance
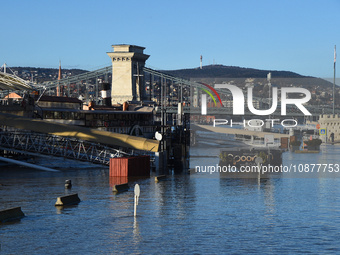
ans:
(204, 98)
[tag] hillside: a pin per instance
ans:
(237, 75)
(221, 71)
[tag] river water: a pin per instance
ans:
(185, 214)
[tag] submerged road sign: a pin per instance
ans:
(322, 131)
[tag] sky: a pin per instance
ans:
(290, 35)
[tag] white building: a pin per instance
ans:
(329, 124)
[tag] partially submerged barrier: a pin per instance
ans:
(11, 214)
(160, 178)
(120, 187)
(67, 200)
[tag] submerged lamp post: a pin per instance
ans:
(137, 193)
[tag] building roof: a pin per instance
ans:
(13, 95)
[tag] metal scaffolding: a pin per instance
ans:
(58, 146)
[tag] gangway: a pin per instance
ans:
(67, 147)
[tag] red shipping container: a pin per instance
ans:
(131, 166)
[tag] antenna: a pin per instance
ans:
(201, 62)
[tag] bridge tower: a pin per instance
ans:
(128, 82)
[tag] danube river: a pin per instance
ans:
(185, 214)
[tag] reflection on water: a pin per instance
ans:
(136, 233)
(269, 198)
(182, 215)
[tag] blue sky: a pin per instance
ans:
(296, 36)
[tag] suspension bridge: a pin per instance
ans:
(185, 90)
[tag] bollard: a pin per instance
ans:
(68, 184)
(160, 178)
(11, 214)
(67, 200)
(120, 187)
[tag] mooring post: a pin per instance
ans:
(68, 184)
